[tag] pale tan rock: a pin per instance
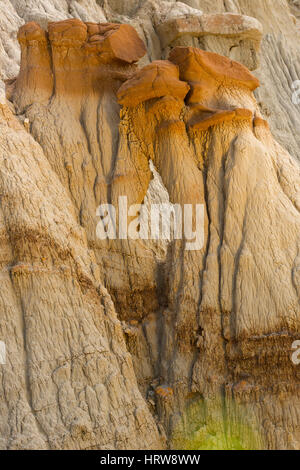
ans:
(231, 34)
(226, 24)
(10, 22)
(69, 381)
(35, 80)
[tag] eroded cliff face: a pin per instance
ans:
(217, 148)
(68, 381)
(142, 343)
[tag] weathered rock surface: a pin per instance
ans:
(206, 341)
(228, 159)
(68, 381)
(208, 29)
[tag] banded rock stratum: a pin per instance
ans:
(133, 344)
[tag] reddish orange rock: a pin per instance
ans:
(158, 79)
(243, 114)
(194, 62)
(116, 41)
(202, 117)
(260, 122)
(31, 32)
(206, 72)
(68, 32)
(74, 59)
(110, 41)
(213, 119)
(164, 391)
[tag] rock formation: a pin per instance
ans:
(68, 381)
(205, 31)
(221, 150)
(142, 343)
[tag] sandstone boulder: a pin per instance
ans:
(160, 78)
(208, 74)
